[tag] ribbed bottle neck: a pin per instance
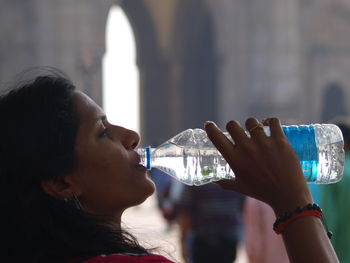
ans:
(145, 156)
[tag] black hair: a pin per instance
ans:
(39, 125)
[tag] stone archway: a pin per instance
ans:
(328, 61)
(333, 102)
(194, 64)
(153, 69)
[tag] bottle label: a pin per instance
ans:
(303, 141)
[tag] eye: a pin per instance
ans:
(103, 133)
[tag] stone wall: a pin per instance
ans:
(198, 59)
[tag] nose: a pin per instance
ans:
(130, 139)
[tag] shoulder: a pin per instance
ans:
(128, 258)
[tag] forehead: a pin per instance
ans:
(87, 109)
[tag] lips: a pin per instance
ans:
(137, 158)
(138, 164)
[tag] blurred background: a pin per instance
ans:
(161, 66)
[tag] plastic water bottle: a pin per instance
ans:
(191, 158)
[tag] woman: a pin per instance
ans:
(68, 175)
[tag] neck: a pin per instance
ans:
(113, 219)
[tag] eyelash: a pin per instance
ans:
(104, 133)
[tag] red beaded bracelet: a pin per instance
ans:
(308, 210)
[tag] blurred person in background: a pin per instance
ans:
(210, 221)
(335, 199)
(262, 245)
(168, 192)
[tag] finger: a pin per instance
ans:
(255, 128)
(265, 122)
(228, 184)
(236, 131)
(221, 142)
(275, 128)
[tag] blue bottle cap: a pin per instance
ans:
(148, 157)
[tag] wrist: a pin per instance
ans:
(285, 205)
(283, 221)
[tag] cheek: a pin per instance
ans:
(104, 166)
(111, 185)
(105, 177)
(110, 182)
(102, 191)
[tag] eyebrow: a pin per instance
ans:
(100, 118)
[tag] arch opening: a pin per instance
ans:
(121, 98)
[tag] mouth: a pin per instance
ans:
(137, 158)
(138, 165)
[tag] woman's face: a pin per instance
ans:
(108, 176)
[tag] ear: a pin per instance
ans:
(61, 187)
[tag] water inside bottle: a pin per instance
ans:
(191, 165)
(331, 165)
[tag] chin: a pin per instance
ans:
(147, 191)
(150, 188)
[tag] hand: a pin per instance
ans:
(266, 167)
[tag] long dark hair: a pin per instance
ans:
(39, 124)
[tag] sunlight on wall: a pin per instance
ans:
(120, 74)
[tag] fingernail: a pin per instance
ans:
(265, 121)
(209, 122)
